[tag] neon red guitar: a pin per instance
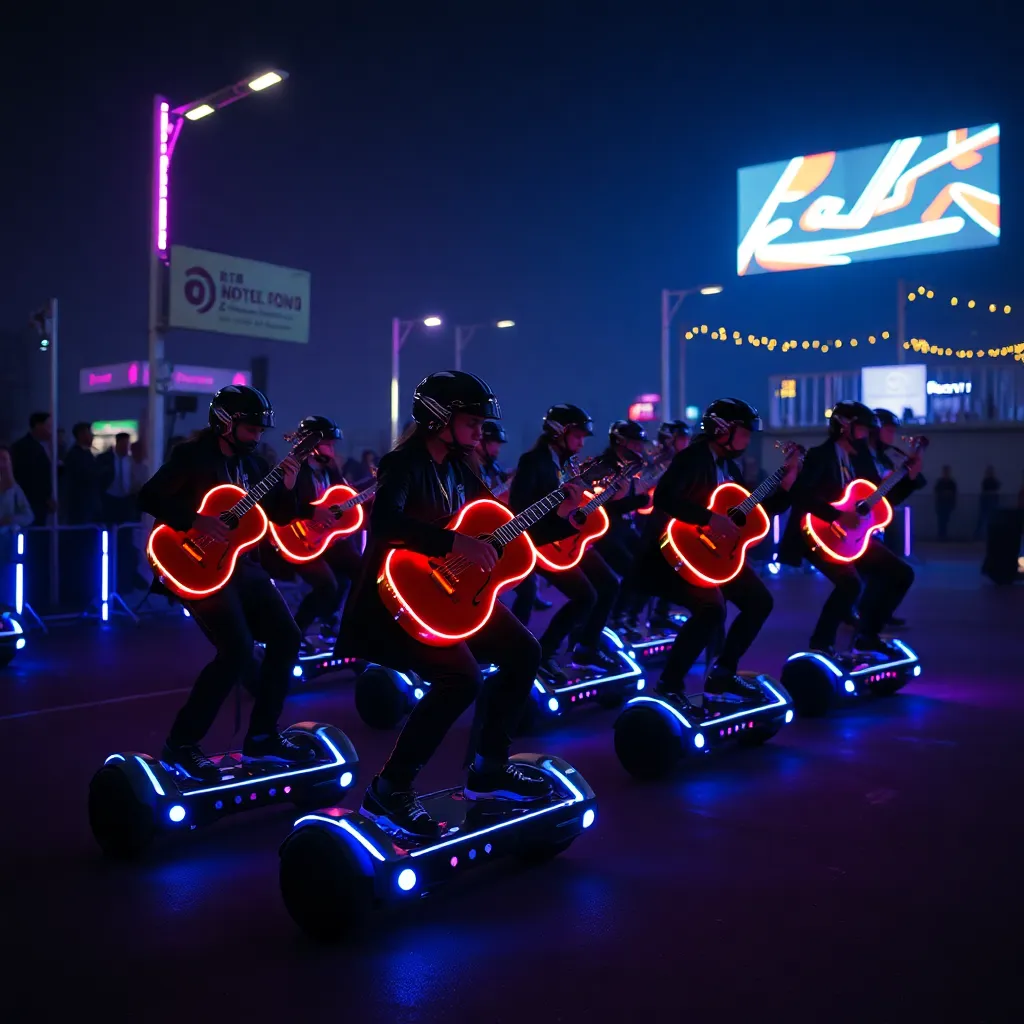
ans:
(707, 561)
(868, 501)
(593, 523)
(192, 565)
(442, 601)
(305, 539)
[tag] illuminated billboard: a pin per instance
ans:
(914, 196)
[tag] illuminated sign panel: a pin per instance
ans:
(910, 197)
(187, 380)
(895, 388)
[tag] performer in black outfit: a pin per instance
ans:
(332, 573)
(673, 437)
(883, 576)
(249, 607)
(683, 493)
(618, 547)
(491, 440)
(422, 483)
(591, 587)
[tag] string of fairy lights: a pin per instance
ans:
(916, 344)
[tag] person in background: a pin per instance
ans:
(30, 457)
(988, 502)
(140, 466)
(360, 473)
(115, 468)
(945, 500)
(83, 483)
(15, 514)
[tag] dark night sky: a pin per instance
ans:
(556, 163)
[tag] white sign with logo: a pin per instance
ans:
(895, 388)
(214, 292)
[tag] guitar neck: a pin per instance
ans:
(257, 493)
(357, 499)
(529, 516)
(761, 492)
(886, 486)
(605, 496)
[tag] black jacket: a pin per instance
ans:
(819, 484)
(537, 475)
(685, 488)
(177, 488)
(31, 464)
(305, 487)
(410, 509)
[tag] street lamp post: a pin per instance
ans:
(463, 336)
(399, 332)
(167, 124)
(670, 303)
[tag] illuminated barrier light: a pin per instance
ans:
(19, 576)
(105, 577)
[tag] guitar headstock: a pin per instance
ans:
(304, 442)
(918, 443)
(790, 448)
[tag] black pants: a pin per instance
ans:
(249, 608)
(884, 579)
(525, 599)
(455, 682)
(703, 629)
(330, 576)
(591, 589)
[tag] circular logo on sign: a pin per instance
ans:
(199, 289)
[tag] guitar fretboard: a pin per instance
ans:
(256, 494)
(357, 499)
(761, 492)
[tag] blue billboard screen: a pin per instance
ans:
(910, 197)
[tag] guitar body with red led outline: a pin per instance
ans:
(442, 601)
(706, 560)
(304, 540)
(592, 523)
(838, 544)
(192, 565)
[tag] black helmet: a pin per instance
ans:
(726, 413)
(494, 432)
(239, 403)
(673, 429)
(560, 417)
(626, 430)
(886, 418)
(324, 425)
(438, 397)
(848, 413)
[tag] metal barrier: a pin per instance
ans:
(89, 553)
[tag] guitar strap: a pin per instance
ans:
(845, 469)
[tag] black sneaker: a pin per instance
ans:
(399, 811)
(552, 671)
(514, 781)
(190, 761)
(280, 749)
(876, 644)
(726, 686)
(591, 657)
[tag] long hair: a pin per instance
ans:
(413, 431)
